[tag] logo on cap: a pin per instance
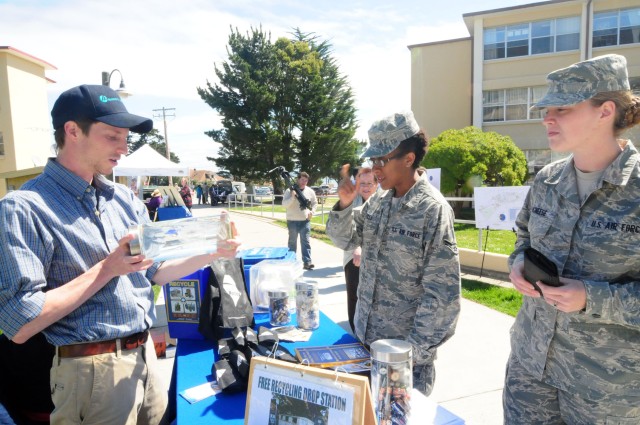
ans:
(105, 99)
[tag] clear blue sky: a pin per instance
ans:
(166, 49)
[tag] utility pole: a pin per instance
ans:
(164, 115)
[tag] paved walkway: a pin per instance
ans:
(470, 366)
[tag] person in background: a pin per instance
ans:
(185, 193)
(299, 220)
(134, 185)
(78, 284)
(367, 186)
(409, 270)
(154, 203)
(199, 193)
(575, 353)
(205, 193)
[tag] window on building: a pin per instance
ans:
(493, 105)
(511, 104)
(617, 27)
(1, 145)
(494, 43)
(532, 38)
(567, 34)
(535, 94)
(634, 82)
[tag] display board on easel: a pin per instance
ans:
(282, 392)
(497, 208)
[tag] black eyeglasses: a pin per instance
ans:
(381, 162)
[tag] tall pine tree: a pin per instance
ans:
(282, 104)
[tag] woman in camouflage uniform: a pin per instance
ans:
(409, 272)
(575, 349)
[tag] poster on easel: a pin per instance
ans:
(433, 176)
(497, 208)
(281, 392)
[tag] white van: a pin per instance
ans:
(240, 187)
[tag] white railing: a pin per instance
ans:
(247, 203)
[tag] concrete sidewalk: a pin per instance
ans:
(470, 366)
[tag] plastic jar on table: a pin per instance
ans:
(279, 314)
(391, 380)
(307, 306)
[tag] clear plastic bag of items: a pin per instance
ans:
(184, 237)
(307, 307)
(391, 380)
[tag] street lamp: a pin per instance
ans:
(122, 90)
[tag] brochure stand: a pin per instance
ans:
(281, 391)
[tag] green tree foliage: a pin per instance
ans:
(470, 157)
(153, 139)
(282, 104)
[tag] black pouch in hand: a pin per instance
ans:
(537, 267)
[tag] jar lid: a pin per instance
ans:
(391, 350)
(277, 293)
(306, 285)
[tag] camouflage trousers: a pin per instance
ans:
(424, 377)
(527, 400)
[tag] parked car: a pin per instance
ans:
(261, 191)
(217, 195)
(317, 190)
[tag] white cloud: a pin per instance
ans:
(166, 49)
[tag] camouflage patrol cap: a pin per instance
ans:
(583, 80)
(386, 134)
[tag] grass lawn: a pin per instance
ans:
(500, 241)
(505, 300)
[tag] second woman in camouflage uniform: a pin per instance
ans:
(575, 351)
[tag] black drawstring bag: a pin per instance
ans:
(226, 304)
(236, 352)
(268, 346)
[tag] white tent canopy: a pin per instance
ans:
(147, 162)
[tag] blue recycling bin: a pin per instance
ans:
(171, 213)
(253, 256)
(183, 298)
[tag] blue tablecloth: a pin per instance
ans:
(194, 360)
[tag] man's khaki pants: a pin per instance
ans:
(116, 388)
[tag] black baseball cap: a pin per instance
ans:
(99, 103)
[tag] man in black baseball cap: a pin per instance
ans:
(66, 269)
(98, 103)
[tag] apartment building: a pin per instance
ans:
(491, 78)
(25, 130)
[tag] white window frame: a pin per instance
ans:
(496, 103)
(517, 33)
(617, 27)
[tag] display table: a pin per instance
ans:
(194, 360)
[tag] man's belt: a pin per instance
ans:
(103, 347)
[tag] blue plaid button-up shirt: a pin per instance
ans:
(55, 228)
